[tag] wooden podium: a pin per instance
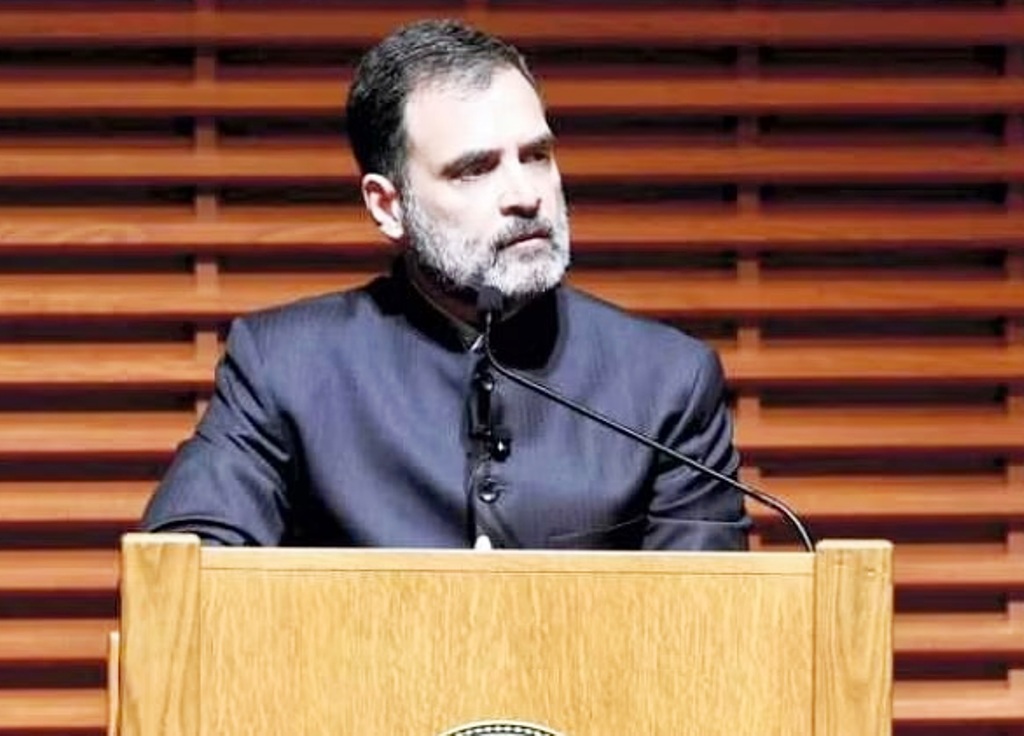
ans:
(249, 641)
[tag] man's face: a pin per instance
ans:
(482, 203)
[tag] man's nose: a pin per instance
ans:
(520, 194)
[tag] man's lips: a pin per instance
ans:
(525, 237)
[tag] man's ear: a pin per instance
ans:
(384, 204)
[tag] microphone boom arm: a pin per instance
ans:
(760, 496)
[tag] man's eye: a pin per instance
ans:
(473, 172)
(538, 156)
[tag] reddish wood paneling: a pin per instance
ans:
(833, 197)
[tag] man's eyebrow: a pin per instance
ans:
(468, 160)
(545, 141)
(471, 159)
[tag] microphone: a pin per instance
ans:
(489, 304)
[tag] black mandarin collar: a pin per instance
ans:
(525, 340)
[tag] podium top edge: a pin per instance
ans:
(298, 560)
(857, 545)
(148, 539)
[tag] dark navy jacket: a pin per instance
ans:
(344, 420)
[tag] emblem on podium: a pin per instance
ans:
(500, 728)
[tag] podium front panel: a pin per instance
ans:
(387, 643)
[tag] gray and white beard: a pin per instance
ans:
(459, 262)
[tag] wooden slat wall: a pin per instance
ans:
(831, 192)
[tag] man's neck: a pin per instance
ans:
(459, 307)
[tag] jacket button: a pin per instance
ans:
(489, 491)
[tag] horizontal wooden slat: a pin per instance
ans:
(666, 293)
(845, 431)
(652, 160)
(862, 498)
(918, 499)
(747, 25)
(71, 571)
(904, 500)
(965, 702)
(911, 499)
(54, 710)
(960, 702)
(53, 503)
(173, 297)
(108, 435)
(55, 640)
(614, 228)
(619, 227)
(626, 160)
(971, 635)
(981, 566)
(344, 228)
(170, 366)
(799, 432)
(807, 365)
(176, 166)
(536, 25)
(127, 366)
(952, 566)
(975, 635)
(154, 435)
(679, 95)
(948, 566)
(640, 94)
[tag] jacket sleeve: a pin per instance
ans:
(690, 510)
(228, 482)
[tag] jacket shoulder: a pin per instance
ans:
(618, 330)
(309, 316)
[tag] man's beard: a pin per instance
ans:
(459, 263)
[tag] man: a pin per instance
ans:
(368, 418)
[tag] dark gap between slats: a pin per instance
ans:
(96, 64)
(916, 601)
(54, 536)
(836, 398)
(105, 131)
(109, 262)
(58, 605)
(107, 196)
(690, 128)
(880, 61)
(43, 675)
(958, 669)
(908, 198)
(869, 331)
(900, 533)
(112, 334)
(895, 466)
(880, 130)
(84, 470)
(66, 400)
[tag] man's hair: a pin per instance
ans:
(425, 52)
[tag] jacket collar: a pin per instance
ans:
(526, 339)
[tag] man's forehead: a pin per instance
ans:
(452, 114)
